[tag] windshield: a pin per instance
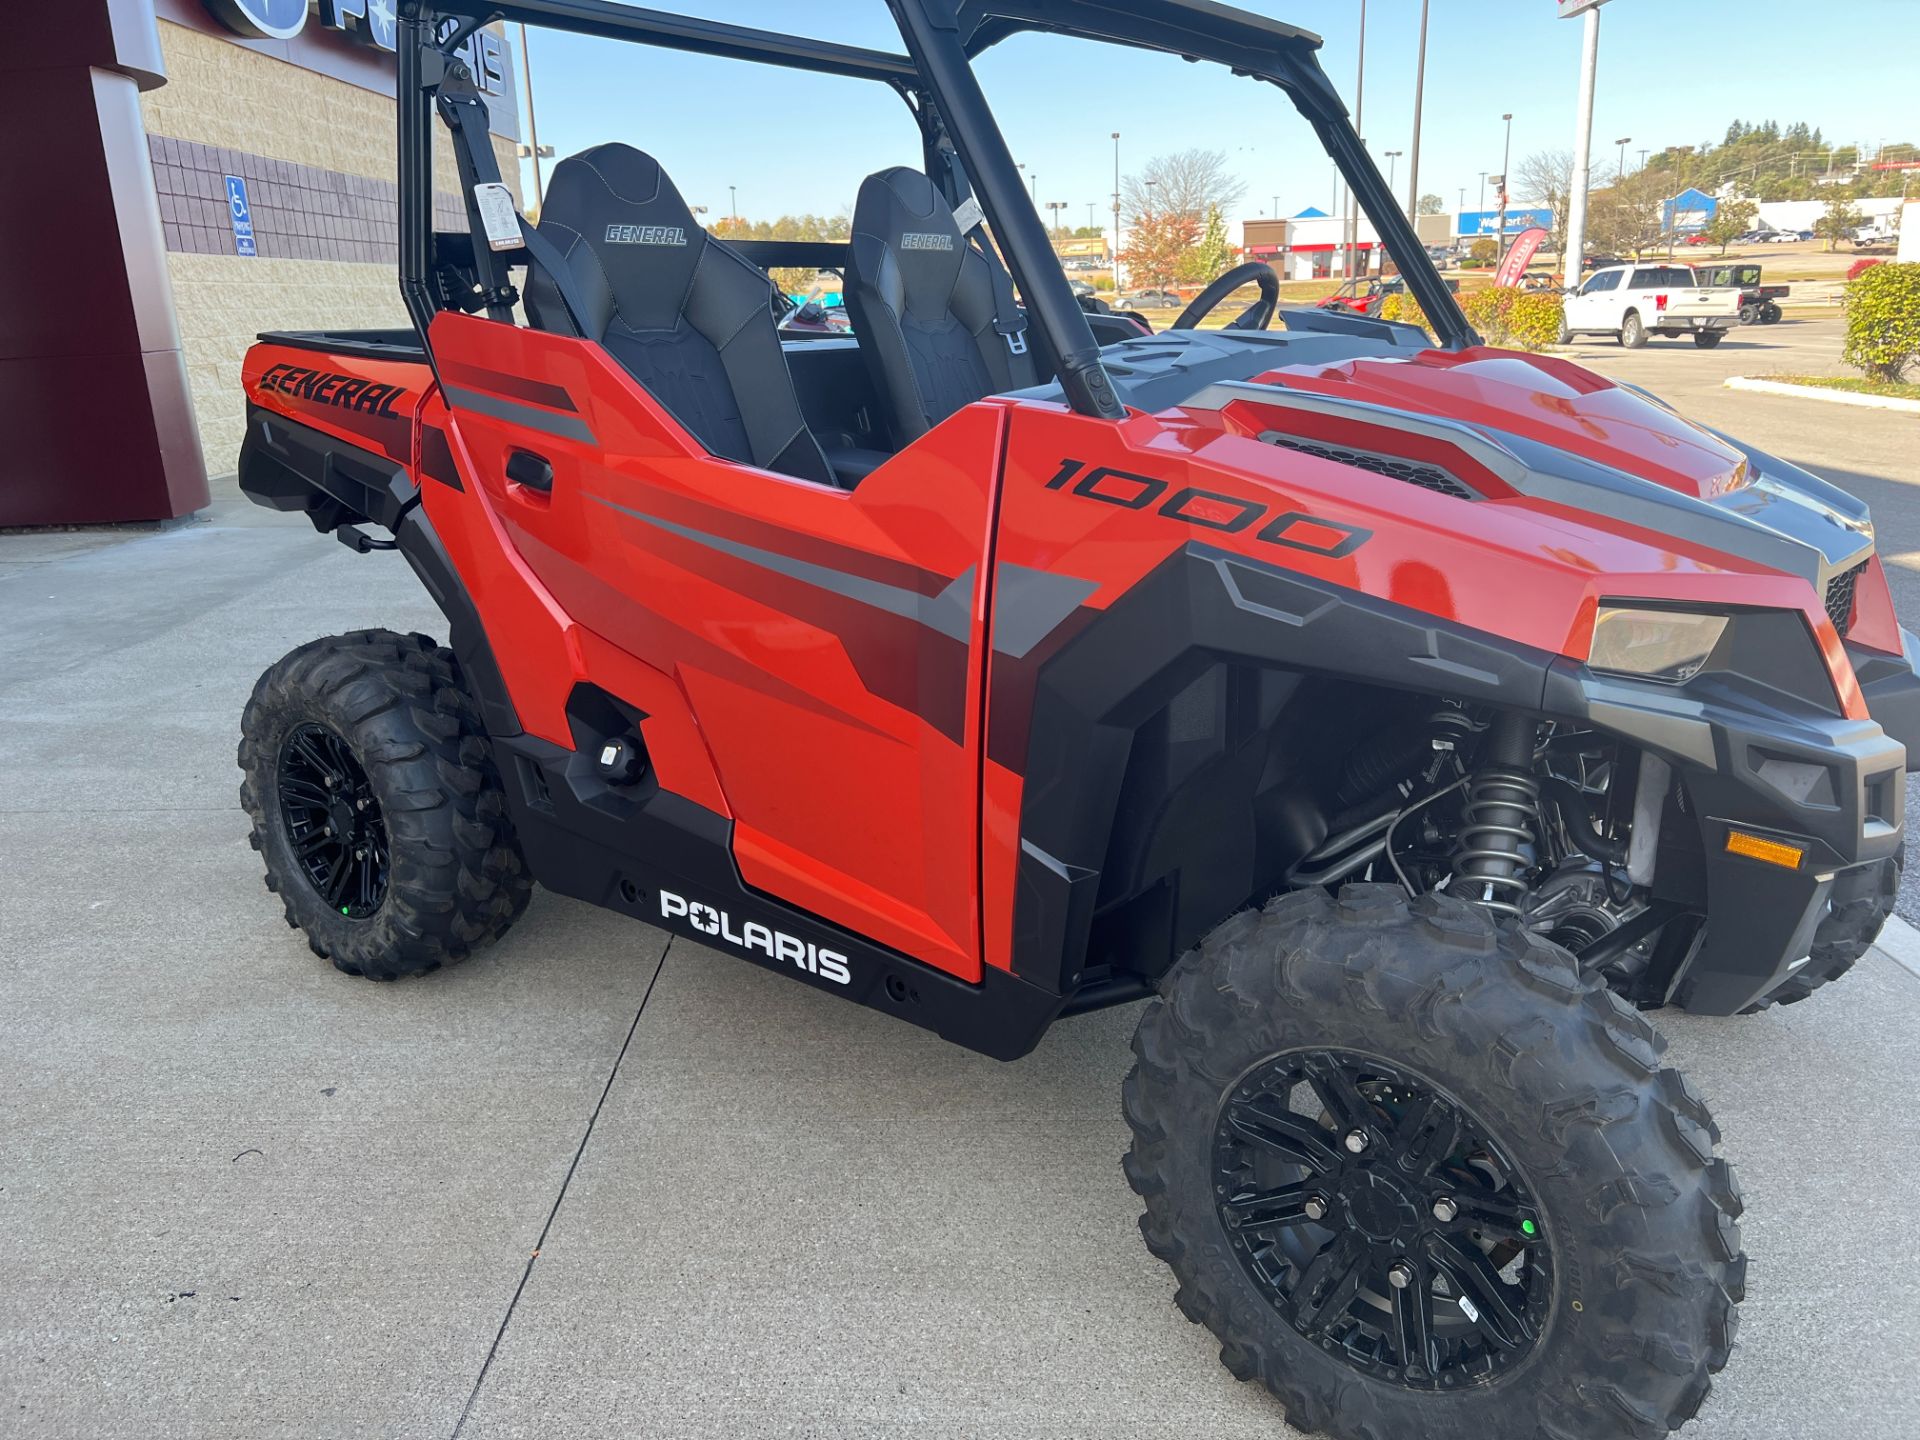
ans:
(1172, 174)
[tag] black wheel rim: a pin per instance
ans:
(334, 826)
(1380, 1219)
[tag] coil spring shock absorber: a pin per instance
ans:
(1497, 842)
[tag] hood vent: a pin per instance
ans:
(1413, 472)
(1840, 598)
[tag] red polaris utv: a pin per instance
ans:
(1398, 718)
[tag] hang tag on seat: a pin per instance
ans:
(968, 214)
(497, 213)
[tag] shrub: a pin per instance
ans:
(1483, 250)
(1533, 320)
(1405, 309)
(1860, 267)
(1519, 319)
(1883, 321)
(1486, 310)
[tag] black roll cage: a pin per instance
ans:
(964, 150)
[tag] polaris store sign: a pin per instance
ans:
(372, 21)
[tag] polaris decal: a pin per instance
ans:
(926, 240)
(326, 387)
(646, 235)
(1211, 510)
(757, 939)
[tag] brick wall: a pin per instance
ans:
(318, 156)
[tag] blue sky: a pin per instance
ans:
(1671, 72)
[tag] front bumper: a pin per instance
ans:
(1754, 759)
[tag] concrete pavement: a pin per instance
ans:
(246, 1196)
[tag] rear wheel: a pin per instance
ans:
(1633, 333)
(1564, 335)
(1707, 339)
(1750, 313)
(1422, 1177)
(1770, 314)
(376, 806)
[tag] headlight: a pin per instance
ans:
(1665, 645)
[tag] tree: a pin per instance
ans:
(1731, 220)
(1210, 258)
(1625, 218)
(1839, 220)
(1547, 176)
(1430, 205)
(1189, 183)
(1157, 245)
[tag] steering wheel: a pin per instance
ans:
(1256, 316)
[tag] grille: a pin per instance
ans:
(1412, 472)
(1840, 597)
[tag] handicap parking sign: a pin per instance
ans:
(241, 216)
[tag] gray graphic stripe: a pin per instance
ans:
(949, 613)
(1028, 605)
(568, 427)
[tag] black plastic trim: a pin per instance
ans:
(286, 465)
(1198, 607)
(625, 848)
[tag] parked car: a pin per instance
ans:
(1152, 300)
(1633, 302)
(1788, 237)
(1754, 237)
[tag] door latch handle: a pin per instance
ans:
(531, 470)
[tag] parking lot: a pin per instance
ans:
(590, 1185)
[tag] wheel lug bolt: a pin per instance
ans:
(330, 782)
(327, 830)
(1356, 1141)
(1400, 1275)
(1444, 1209)
(1315, 1207)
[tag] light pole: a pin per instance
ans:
(1576, 243)
(1620, 175)
(1419, 93)
(1276, 207)
(1506, 160)
(1393, 164)
(733, 204)
(1483, 191)
(1090, 214)
(1359, 114)
(1116, 213)
(534, 150)
(1056, 206)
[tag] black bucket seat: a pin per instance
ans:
(688, 316)
(934, 315)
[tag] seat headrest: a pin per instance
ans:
(903, 210)
(620, 203)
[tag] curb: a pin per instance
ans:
(1815, 392)
(1900, 943)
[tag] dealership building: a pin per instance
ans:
(209, 169)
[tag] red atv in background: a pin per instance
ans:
(1399, 720)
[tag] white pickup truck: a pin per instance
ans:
(1632, 302)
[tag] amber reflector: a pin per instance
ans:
(1759, 847)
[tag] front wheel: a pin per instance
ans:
(1422, 1177)
(1707, 339)
(1564, 335)
(1770, 314)
(1633, 332)
(376, 806)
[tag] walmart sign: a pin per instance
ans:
(1487, 222)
